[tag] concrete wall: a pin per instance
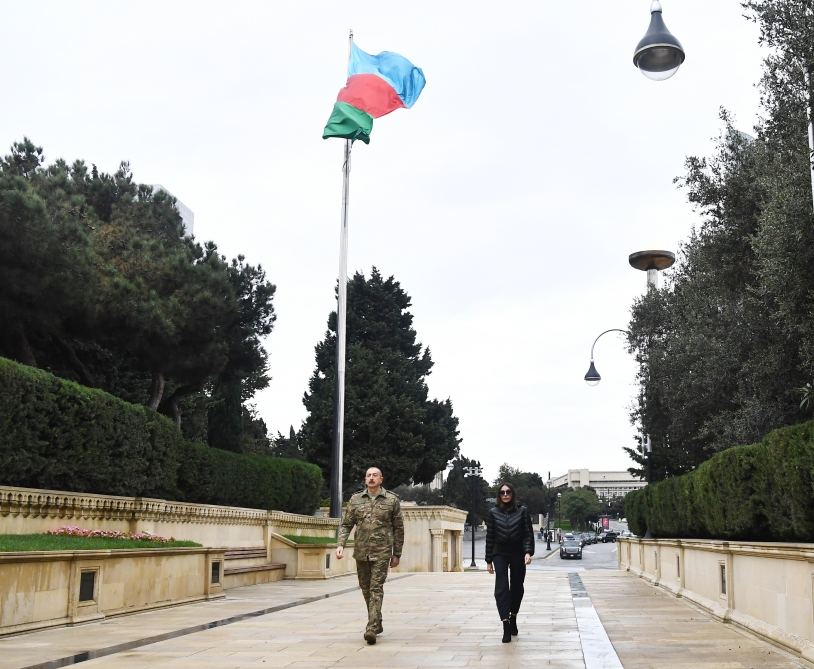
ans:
(767, 588)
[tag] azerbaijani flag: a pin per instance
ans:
(376, 86)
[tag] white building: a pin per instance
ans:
(187, 215)
(607, 484)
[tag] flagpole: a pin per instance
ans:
(341, 309)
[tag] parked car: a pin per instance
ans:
(570, 548)
(609, 537)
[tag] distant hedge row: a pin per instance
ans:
(59, 435)
(762, 491)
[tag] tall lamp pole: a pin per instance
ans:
(559, 517)
(548, 516)
(474, 474)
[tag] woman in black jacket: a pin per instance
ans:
(509, 547)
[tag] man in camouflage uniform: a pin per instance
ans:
(376, 514)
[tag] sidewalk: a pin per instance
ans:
(590, 619)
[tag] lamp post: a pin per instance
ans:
(473, 473)
(548, 516)
(559, 517)
(658, 54)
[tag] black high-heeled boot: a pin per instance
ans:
(507, 631)
(513, 623)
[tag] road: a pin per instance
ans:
(595, 556)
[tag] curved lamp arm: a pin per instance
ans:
(592, 377)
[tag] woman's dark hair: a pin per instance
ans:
(513, 503)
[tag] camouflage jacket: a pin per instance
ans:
(379, 525)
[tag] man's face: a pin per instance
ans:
(373, 478)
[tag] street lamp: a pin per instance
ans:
(652, 262)
(592, 377)
(559, 517)
(473, 473)
(548, 516)
(658, 54)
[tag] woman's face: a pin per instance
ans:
(505, 494)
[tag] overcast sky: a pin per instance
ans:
(506, 201)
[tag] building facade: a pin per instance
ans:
(607, 484)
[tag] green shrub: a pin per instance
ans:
(755, 492)
(58, 435)
(213, 476)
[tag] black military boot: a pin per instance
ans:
(513, 623)
(507, 631)
(370, 637)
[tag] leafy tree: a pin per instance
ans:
(420, 494)
(726, 344)
(389, 421)
(101, 285)
(46, 257)
(287, 447)
(463, 491)
(580, 506)
(246, 368)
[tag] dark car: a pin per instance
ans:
(570, 548)
(609, 537)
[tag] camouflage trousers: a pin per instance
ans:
(372, 575)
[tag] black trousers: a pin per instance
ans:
(510, 572)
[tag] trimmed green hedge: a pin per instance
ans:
(58, 435)
(214, 476)
(762, 491)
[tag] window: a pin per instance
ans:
(722, 567)
(87, 584)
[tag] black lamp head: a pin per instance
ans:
(658, 54)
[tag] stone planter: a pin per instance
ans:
(48, 588)
(310, 561)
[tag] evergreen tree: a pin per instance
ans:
(464, 492)
(389, 421)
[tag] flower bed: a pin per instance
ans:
(77, 538)
(73, 531)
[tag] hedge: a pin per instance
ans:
(214, 476)
(762, 491)
(59, 435)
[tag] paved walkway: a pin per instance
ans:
(578, 619)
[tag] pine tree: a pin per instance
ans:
(389, 421)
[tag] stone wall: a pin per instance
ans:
(433, 538)
(766, 588)
(43, 589)
(433, 534)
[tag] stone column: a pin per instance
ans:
(458, 542)
(436, 553)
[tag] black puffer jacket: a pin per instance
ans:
(508, 532)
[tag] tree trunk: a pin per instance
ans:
(156, 390)
(76, 364)
(22, 347)
(171, 406)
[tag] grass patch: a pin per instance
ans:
(46, 542)
(299, 539)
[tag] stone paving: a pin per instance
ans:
(430, 620)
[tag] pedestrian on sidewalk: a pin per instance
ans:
(376, 514)
(509, 547)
